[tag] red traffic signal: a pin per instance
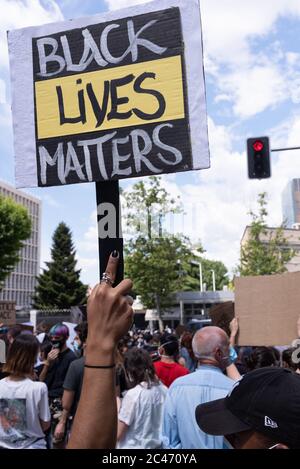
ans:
(258, 145)
(258, 155)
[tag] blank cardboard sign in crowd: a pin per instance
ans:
(268, 308)
(112, 96)
(7, 313)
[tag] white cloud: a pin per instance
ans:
(2, 91)
(292, 58)
(87, 252)
(254, 89)
(19, 14)
(222, 97)
(229, 25)
(89, 270)
(118, 4)
(48, 199)
(253, 78)
(89, 244)
(5, 118)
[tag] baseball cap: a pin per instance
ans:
(266, 400)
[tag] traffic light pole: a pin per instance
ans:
(286, 149)
(258, 157)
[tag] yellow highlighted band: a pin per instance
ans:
(64, 105)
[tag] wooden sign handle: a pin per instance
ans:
(109, 225)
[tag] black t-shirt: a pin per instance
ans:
(121, 379)
(3, 374)
(73, 381)
(57, 373)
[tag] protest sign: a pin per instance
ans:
(267, 308)
(7, 313)
(221, 315)
(112, 96)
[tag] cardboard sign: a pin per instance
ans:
(221, 315)
(7, 313)
(108, 97)
(268, 309)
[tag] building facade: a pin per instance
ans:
(187, 307)
(291, 203)
(19, 285)
(292, 242)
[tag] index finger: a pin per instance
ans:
(112, 266)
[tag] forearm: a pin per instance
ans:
(64, 416)
(44, 372)
(232, 372)
(97, 408)
(232, 340)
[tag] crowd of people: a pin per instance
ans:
(147, 389)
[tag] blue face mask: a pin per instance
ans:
(77, 349)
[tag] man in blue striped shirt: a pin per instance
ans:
(207, 383)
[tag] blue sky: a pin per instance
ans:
(252, 69)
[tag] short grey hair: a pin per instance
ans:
(207, 340)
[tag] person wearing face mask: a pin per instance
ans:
(72, 384)
(167, 368)
(55, 369)
(206, 383)
(45, 349)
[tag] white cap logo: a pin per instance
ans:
(270, 423)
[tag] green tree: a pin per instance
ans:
(15, 227)
(59, 285)
(147, 202)
(151, 258)
(192, 279)
(159, 263)
(154, 265)
(266, 251)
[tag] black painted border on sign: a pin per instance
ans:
(180, 137)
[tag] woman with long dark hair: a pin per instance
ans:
(24, 409)
(140, 415)
(187, 357)
(262, 357)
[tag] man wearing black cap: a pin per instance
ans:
(261, 412)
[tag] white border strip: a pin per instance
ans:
(20, 45)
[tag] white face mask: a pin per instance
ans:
(228, 445)
(274, 446)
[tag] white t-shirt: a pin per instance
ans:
(142, 410)
(22, 404)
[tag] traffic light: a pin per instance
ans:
(258, 154)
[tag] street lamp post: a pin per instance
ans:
(181, 274)
(200, 273)
(213, 280)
